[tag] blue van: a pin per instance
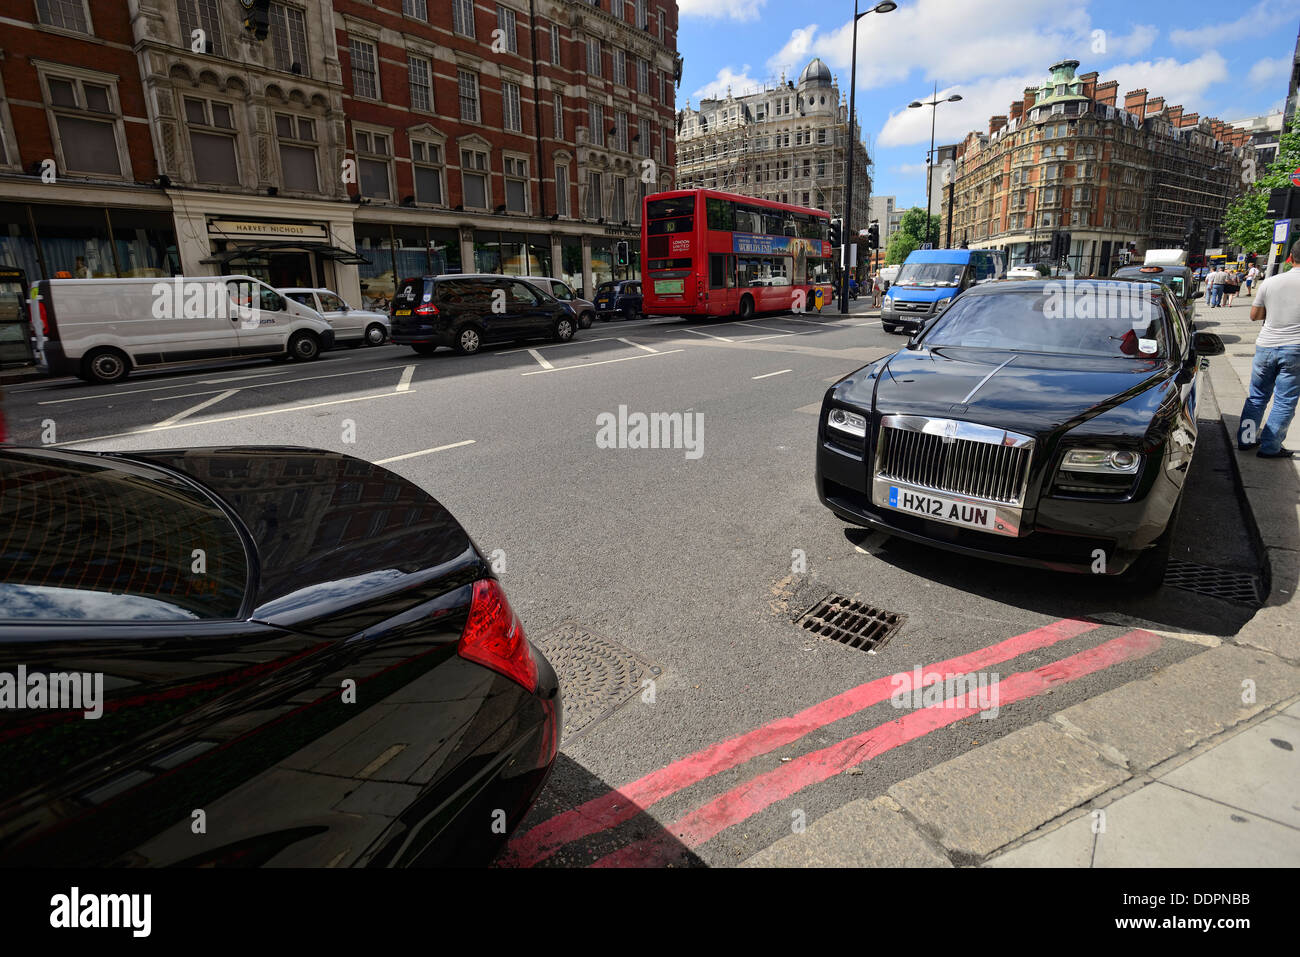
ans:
(929, 280)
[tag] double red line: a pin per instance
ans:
(745, 800)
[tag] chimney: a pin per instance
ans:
(1017, 109)
(1155, 105)
(1189, 119)
(1135, 101)
(1089, 81)
(1030, 94)
(996, 123)
(1107, 92)
(1174, 114)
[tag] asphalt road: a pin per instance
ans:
(686, 561)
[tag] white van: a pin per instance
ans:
(101, 329)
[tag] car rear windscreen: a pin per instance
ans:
(88, 541)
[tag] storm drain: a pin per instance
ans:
(850, 622)
(597, 675)
(1222, 583)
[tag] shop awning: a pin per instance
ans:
(256, 250)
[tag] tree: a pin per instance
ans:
(911, 234)
(900, 247)
(1246, 221)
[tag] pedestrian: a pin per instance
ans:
(1251, 276)
(1275, 372)
(877, 287)
(1215, 282)
(1231, 285)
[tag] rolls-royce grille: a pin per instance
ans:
(983, 470)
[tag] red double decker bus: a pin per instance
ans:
(706, 253)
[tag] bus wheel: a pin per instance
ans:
(746, 307)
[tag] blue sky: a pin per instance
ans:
(1230, 60)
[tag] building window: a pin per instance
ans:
(595, 202)
(558, 107)
(468, 84)
(365, 71)
(516, 184)
(506, 23)
(65, 14)
(462, 17)
(289, 39)
(510, 106)
(374, 155)
(296, 136)
(593, 56)
(562, 189)
(200, 15)
(212, 139)
(416, 8)
(620, 199)
(596, 115)
(427, 160)
(421, 78)
(643, 132)
(642, 15)
(620, 67)
(474, 178)
(643, 77)
(620, 131)
(86, 117)
(555, 44)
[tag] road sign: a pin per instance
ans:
(1281, 230)
(1295, 178)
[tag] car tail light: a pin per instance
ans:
(426, 309)
(494, 636)
(45, 320)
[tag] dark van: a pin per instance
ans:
(466, 311)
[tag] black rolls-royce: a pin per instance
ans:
(1044, 423)
(248, 656)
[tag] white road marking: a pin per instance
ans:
(707, 335)
(553, 345)
(258, 385)
(196, 408)
(540, 361)
(770, 329)
(404, 383)
(600, 363)
(768, 375)
(229, 418)
(638, 345)
(411, 455)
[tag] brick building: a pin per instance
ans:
(361, 141)
(1069, 156)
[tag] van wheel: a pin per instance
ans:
(304, 346)
(469, 340)
(105, 365)
(375, 334)
(563, 331)
(746, 307)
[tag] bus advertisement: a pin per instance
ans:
(707, 253)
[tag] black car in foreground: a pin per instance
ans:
(248, 656)
(467, 311)
(1045, 423)
(621, 300)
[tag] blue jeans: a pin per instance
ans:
(1276, 373)
(1216, 295)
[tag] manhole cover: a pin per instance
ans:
(597, 675)
(1223, 583)
(850, 622)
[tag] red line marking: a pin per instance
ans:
(758, 793)
(616, 806)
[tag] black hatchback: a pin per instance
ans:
(466, 311)
(618, 299)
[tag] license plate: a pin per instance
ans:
(602, 302)
(403, 312)
(943, 509)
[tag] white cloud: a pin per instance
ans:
(1178, 82)
(719, 9)
(1138, 40)
(908, 169)
(727, 78)
(1259, 23)
(1265, 72)
(980, 100)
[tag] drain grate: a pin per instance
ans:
(850, 622)
(1223, 583)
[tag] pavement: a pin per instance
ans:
(1194, 765)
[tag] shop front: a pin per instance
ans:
(71, 241)
(281, 254)
(395, 252)
(512, 254)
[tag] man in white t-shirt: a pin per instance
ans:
(1252, 277)
(1276, 370)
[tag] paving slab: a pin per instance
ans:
(1148, 721)
(862, 833)
(986, 798)
(1068, 846)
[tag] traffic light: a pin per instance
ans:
(873, 235)
(837, 228)
(1216, 238)
(257, 17)
(620, 251)
(1192, 234)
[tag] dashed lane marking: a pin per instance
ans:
(768, 375)
(197, 408)
(404, 383)
(540, 361)
(412, 455)
(602, 362)
(638, 345)
(707, 335)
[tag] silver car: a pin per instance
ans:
(582, 308)
(352, 327)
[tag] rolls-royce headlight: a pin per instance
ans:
(1105, 461)
(850, 423)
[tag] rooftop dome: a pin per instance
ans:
(815, 73)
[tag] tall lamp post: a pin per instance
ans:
(929, 162)
(846, 229)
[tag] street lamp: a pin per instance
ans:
(929, 162)
(885, 6)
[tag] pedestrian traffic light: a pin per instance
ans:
(873, 235)
(836, 232)
(257, 17)
(621, 251)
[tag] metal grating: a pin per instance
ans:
(850, 622)
(995, 473)
(1223, 583)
